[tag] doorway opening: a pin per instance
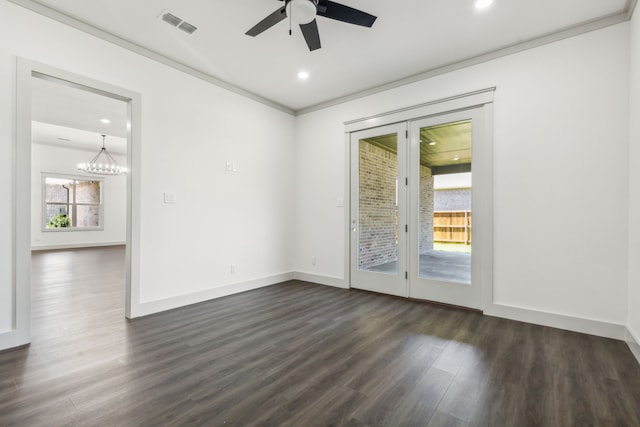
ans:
(79, 220)
(29, 75)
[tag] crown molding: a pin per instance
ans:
(566, 33)
(489, 56)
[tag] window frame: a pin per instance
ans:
(73, 204)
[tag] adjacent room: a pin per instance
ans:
(315, 212)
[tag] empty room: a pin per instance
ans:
(320, 213)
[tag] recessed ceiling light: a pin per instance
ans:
(456, 158)
(303, 75)
(482, 4)
(105, 121)
(432, 143)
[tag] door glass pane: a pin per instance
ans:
(378, 204)
(445, 202)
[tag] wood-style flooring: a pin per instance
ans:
(297, 354)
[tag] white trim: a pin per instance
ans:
(486, 204)
(560, 321)
(336, 282)
(633, 341)
(178, 301)
(75, 246)
(440, 106)
(631, 7)
(21, 197)
(490, 56)
(347, 211)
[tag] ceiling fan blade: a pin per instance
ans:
(311, 35)
(268, 22)
(343, 13)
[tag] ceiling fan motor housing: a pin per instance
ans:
(302, 11)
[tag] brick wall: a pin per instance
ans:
(426, 210)
(453, 200)
(378, 210)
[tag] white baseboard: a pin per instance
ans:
(75, 246)
(560, 321)
(633, 340)
(12, 339)
(151, 307)
(536, 317)
(336, 282)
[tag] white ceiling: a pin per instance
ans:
(409, 38)
(67, 116)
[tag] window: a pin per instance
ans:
(71, 203)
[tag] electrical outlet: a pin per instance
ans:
(234, 268)
(313, 260)
(169, 197)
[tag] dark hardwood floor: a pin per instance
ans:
(297, 354)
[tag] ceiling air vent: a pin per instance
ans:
(177, 22)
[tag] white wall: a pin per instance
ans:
(560, 169)
(634, 181)
(55, 159)
(189, 129)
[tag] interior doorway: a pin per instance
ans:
(411, 230)
(27, 73)
(79, 219)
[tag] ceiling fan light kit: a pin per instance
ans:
(304, 13)
(301, 11)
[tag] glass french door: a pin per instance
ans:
(378, 223)
(443, 266)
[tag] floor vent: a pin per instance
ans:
(176, 21)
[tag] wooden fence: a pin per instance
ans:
(452, 227)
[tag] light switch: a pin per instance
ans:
(229, 166)
(169, 197)
(340, 202)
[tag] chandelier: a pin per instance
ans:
(106, 166)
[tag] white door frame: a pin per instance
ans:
(394, 284)
(483, 230)
(20, 334)
(462, 294)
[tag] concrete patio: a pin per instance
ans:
(437, 265)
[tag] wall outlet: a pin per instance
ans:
(234, 268)
(169, 197)
(313, 260)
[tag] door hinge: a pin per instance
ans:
(406, 275)
(406, 228)
(406, 134)
(406, 181)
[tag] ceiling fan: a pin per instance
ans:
(304, 12)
